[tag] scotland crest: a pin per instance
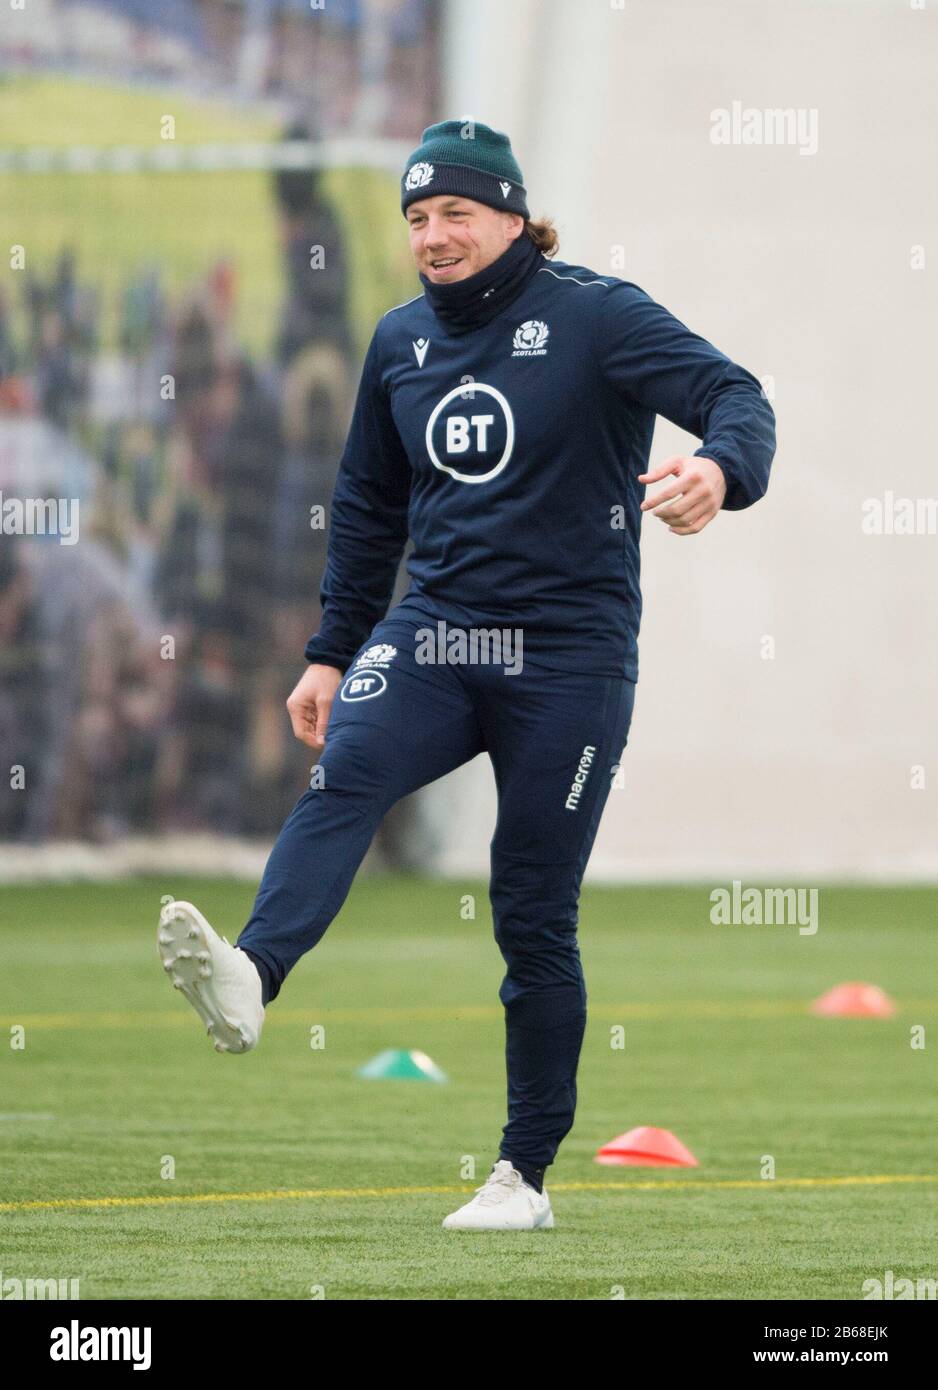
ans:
(418, 175)
(530, 338)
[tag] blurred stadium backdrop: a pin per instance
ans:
(784, 722)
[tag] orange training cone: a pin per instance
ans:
(646, 1147)
(854, 1001)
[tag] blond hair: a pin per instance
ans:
(544, 235)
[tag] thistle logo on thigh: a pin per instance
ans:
(363, 685)
(478, 435)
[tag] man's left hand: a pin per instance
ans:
(700, 486)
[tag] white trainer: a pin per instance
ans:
(505, 1202)
(220, 982)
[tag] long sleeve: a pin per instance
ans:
(368, 524)
(649, 356)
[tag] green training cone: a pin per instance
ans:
(396, 1064)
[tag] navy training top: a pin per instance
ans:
(510, 455)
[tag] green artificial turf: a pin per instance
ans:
(719, 1047)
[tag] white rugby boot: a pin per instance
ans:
(220, 982)
(505, 1202)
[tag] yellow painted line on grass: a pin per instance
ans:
(440, 1013)
(859, 1180)
(313, 1193)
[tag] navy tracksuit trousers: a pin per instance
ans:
(555, 739)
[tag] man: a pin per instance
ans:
(504, 420)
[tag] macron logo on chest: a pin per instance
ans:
(420, 349)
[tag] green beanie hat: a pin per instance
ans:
(467, 159)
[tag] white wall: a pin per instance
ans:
(799, 268)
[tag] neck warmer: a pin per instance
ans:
(474, 301)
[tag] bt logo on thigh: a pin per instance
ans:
(363, 685)
(366, 678)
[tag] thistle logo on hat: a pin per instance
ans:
(469, 160)
(418, 175)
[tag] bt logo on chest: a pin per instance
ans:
(470, 432)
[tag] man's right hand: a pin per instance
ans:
(310, 704)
